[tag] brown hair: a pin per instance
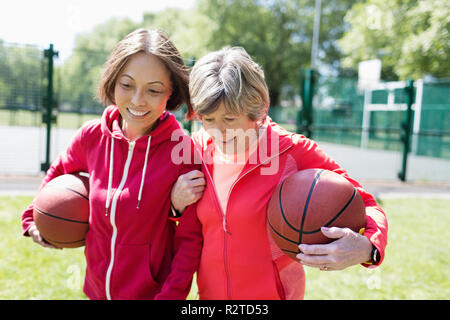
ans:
(154, 42)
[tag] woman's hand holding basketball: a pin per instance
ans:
(188, 189)
(36, 236)
(349, 249)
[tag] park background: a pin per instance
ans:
(392, 135)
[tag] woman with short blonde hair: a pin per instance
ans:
(239, 260)
(232, 77)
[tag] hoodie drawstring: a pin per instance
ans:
(143, 171)
(110, 175)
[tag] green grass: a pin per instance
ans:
(29, 271)
(416, 262)
(415, 267)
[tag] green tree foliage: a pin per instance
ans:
(189, 29)
(410, 37)
(20, 76)
(277, 33)
(78, 78)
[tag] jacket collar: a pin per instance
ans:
(110, 126)
(273, 141)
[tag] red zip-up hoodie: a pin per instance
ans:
(238, 260)
(130, 244)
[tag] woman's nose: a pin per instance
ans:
(138, 98)
(222, 130)
(215, 132)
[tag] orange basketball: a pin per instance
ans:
(61, 211)
(308, 200)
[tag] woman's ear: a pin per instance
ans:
(263, 120)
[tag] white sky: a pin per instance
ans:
(42, 22)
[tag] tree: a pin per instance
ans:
(277, 34)
(20, 76)
(426, 50)
(189, 29)
(410, 37)
(78, 78)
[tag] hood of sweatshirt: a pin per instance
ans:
(110, 127)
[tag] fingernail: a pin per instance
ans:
(325, 228)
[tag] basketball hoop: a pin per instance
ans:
(369, 72)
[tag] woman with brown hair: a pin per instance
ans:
(131, 241)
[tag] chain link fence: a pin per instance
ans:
(22, 80)
(339, 108)
(338, 112)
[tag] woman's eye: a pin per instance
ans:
(153, 91)
(229, 119)
(125, 85)
(207, 120)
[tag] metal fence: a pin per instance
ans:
(333, 110)
(21, 83)
(374, 118)
(34, 83)
(24, 82)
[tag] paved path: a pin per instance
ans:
(28, 185)
(19, 185)
(377, 170)
(370, 164)
(24, 150)
(397, 189)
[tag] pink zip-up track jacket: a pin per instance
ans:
(131, 241)
(238, 259)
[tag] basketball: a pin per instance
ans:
(61, 211)
(308, 200)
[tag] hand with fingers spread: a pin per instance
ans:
(36, 236)
(349, 248)
(187, 190)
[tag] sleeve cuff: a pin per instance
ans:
(374, 254)
(175, 212)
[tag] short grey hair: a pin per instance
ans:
(230, 76)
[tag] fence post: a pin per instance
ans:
(305, 116)
(48, 104)
(406, 127)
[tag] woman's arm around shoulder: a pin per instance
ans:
(188, 248)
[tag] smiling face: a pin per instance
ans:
(232, 133)
(141, 93)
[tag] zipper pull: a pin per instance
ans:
(224, 223)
